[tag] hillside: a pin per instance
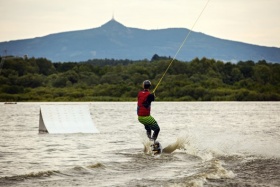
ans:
(116, 41)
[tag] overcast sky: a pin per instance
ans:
(249, 21)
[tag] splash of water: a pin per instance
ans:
(179, 144)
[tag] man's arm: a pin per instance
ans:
(150, 98)
(148, 101)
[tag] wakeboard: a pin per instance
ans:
(156, 148)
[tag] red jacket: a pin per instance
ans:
(144, 103)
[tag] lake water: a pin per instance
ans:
(218, 144)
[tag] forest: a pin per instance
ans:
(39, 79)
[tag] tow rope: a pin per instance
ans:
(183, 43)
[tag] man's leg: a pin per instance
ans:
(156, 130)
(149, 131)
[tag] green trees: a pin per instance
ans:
(120, 80)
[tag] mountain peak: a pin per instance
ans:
(113, 24)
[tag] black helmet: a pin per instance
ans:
(147, 84)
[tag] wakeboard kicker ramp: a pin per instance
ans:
(59, 119)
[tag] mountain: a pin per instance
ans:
(114, 40)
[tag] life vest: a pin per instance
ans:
(142, 108)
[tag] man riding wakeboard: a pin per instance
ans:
(145, 99)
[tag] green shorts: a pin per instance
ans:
(149, 122)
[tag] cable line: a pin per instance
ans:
(183, 43)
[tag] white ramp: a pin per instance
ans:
(66, 119)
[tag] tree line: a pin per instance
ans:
(38, 79)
